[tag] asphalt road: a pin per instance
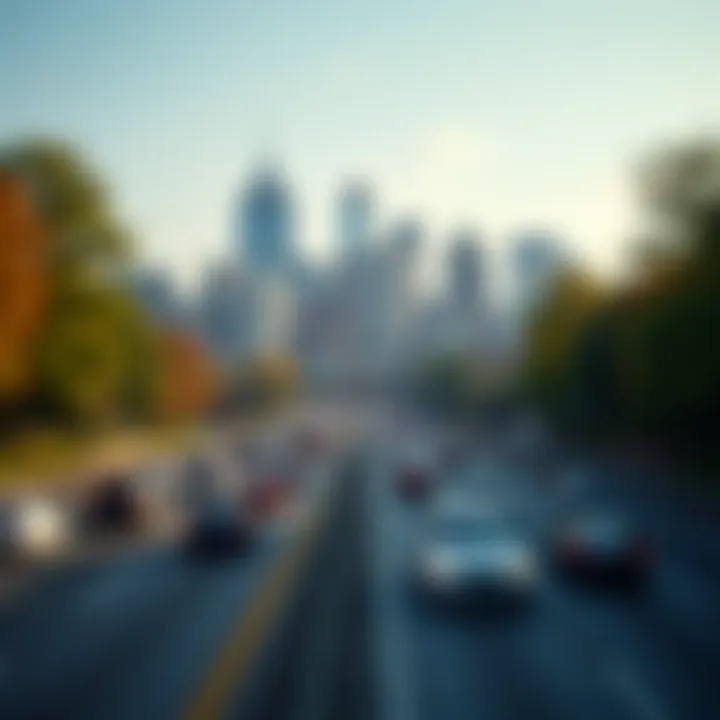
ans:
(575, 654)
(125, 638)
(136, 635)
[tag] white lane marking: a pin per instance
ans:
(398, 699)
(635, 695)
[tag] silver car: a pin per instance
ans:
(476, 556)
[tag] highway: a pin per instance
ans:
(327, 628)
(576, 654)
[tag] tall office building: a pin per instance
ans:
(465, 281)
(355, 216)
(397, 293)
(222, 311)
(264, 225)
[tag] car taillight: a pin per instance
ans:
(641, 552)
(574, 549)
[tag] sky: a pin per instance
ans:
(497, 115)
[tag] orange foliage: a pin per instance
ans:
(23, 283)
(188, 382)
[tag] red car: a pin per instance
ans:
(603, 547)
(413, 481)
(267, 494)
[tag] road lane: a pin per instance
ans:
(124, 638)
(130, 635)
(576, 654)
(314, 666)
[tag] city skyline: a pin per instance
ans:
(458, 121)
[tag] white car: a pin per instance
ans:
(470, 555)
(35, 526)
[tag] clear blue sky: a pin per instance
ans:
(499, 114)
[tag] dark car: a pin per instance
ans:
(413, 482)
(603, 546)
(414, 473)
(199, 483)
(112, 504)
(218, 529)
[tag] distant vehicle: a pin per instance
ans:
(201, 483)
(217, 529)
(603, 546)
(476, 555)
(33, 526)
(268, 489)
(415, 473)
(112, 504)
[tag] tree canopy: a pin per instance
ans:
(644, 361)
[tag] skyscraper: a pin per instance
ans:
(223, 311)
(465, 273)
(355, 216)
(264, 225)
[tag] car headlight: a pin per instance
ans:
(439, 569)
(523, 571)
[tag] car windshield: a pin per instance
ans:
(471, 529)
(603, 528)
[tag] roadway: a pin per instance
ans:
(147, 634)
(576, 654)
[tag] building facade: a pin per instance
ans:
(264, 226)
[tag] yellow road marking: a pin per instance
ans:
(235, 656)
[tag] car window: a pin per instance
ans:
(472, 529)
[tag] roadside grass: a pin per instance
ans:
(52, 457)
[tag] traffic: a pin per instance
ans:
(370, 568)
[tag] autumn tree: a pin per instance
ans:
(188, 382)
(23, 284)
(95, 359)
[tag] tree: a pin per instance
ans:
(94, 356)
(23, 284)
(73, 202)
(681, 306)
(646, 365)
(188, 382)
(96, 360)
(553, 334)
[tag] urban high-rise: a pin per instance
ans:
(465, 273)
(264, 225)
(355, 217)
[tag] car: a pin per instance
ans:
(476, 556)
(415, 474)
(201, 481)
(112, 504)
(218, 529)
(602, 546)
(33, 526)
(267, 491)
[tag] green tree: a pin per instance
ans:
(552, 338)
(96, 358)
(74, 202)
